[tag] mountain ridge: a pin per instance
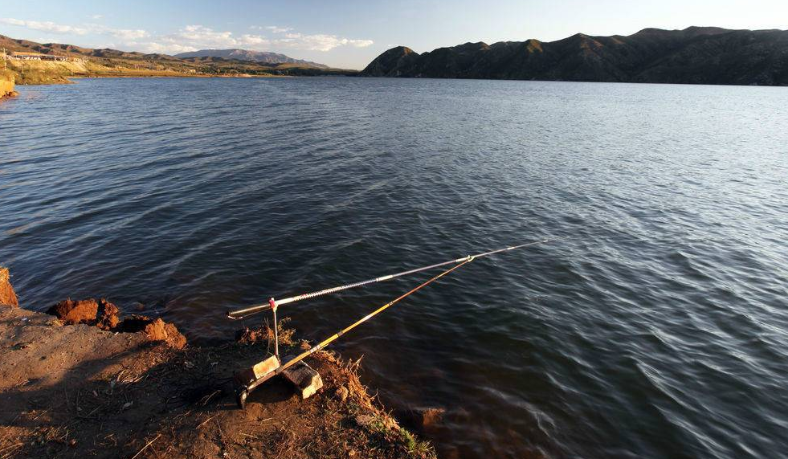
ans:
(695, 55)
(265, 57)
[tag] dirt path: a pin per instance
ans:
(79, 391)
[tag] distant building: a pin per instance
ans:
(22, 56)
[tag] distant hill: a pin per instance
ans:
(696, 55)
(13, 44)
(89, 62)
(249, 56)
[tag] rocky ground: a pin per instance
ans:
(83, 381)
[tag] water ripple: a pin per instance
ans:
(657, 327)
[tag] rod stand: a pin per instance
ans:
(272, 302)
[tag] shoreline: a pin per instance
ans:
(66, 80)
(62, 72)
(82, 384)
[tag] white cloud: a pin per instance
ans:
(123, 34)
(96, 17)
(128, 34)
(322, 42)
(275, 29)
(194, 37)
(45, 26)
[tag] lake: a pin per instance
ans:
(656, 325)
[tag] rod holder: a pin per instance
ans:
(272, 302)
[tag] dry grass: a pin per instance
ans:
(265, 334)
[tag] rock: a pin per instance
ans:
(423, 419)
(107, 318)
(342, 394)
(174, 337)
(304, 378)
(431, 417)
(104, 315)
(75, 312)
(7, 294)
(100, 313)
(155, 329)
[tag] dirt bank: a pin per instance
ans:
(6, 84)
(94, 389)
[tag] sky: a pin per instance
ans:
(351, 33)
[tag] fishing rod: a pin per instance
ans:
(274, 304)
(251, 378)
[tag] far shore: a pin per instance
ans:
(62, 72)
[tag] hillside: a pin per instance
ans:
(89, 62)
(248, 56)
(696, 55)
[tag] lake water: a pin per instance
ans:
(658, 327)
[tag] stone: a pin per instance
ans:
(266, 366)
(7, 294)
(100, 313)
(75, 312)
(342, 394)
(423, 419)
(154, 329)
(304, 378)
(250, 375)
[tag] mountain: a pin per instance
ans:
(248, 56)
(88, 62)
(696, 55)
(13, 44)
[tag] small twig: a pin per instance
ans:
(94, 410)
(203, 423)
(146, 446)
(209, 397)
(17, 445)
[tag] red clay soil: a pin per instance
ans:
(81, 391)
(7, 294)
(104, 315)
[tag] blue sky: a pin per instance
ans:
(351, 33)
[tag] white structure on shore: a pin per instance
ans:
(25, 56)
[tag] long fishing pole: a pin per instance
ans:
(273, 304)
(244, 391)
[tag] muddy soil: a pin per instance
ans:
(93, 390)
